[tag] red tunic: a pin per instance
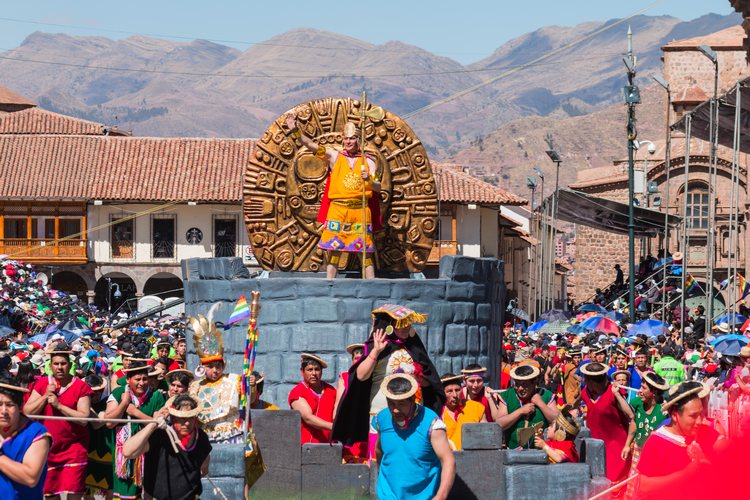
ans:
(608, 423)
(567, 447)
(68, 456)
(321, 406)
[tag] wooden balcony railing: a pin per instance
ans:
(440, 248)
(39, 251)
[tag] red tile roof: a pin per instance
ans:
(728, 38)
(40, 121)
(457, 186)
(9, 97)
(690, 95)
(122, 168)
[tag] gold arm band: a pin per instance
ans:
(296, 134)
(320, 152)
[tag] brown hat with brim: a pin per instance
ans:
(449, 379)
(594, 369)
(526, 371)
(399, 376)
(684, 390)
(322, 363)
(352, 347)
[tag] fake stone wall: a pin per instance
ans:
(310, 314)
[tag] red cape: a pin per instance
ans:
(372, 202)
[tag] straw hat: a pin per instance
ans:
(322, 363)
(745, 352)
(389, 394)
(184, 413)
(683, 390)
(594, 369)
(351, 347)
(476, 371)
(655, 381)
(618, 372)
(451, 379)
(174, 372)
(723, 327)
(525, 372)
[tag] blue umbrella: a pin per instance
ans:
(615, 315)
(731, 336)
(536, 326)
(592, 308)
(601, 324)
(731, 319)
(649, 328)
(728, 346)
(42, 338)
(555, 315)
(577, 328)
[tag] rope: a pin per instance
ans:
(614, 487)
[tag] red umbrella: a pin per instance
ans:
(602, 325)
(745, 325)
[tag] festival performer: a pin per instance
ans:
(134, 401)
(357, 452)
(620, 361)
(674, 455)
(175, 454)
(99, 470)
(560, 446)
(24, 448)
(458, 410)
(571, 381)
(217, 392)
(608, 417)
(63, 395)
(180, 349)
(525, 405)
(341, 207)
(393, 347)
(313, 399)
(257, 379)
(179, 382)
(648, 417)
(641, 366)
(476, 390)
(412, 447)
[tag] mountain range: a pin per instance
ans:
(164, 88)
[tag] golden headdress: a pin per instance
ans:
(209, 344)
(402, 315)
(351, 130)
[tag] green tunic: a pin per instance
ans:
(513, 403)
(646, 423)
(99, 471)
(126, 487)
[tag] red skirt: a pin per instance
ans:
(65, 478)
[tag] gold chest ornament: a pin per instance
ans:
(352, 180)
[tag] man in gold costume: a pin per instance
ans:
(341, 210)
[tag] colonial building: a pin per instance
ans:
(690, 75)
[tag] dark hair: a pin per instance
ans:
(134, 365)
(93, 380)
(163, 361)
(258, 387)
(184, 402)
(455, 381)
(473, 366)
(181, 377)
(658, 393)
(686, 386)
(15, 396)
(310, 361)
(524, 370)
(399, 385)
(26, 372)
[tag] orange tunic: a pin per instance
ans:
(471, 412)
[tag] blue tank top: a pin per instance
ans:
(409, 467)
(15, 448)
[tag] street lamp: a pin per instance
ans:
(667, 166)
(632, 97)
(714, 134)
(117, 295)
(555, 157)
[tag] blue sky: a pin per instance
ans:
(465, 31)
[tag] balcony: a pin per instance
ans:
(43, 251)
(440, 248)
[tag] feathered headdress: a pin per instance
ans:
(209, 345)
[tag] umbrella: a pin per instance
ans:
(42, 338)
(649, 328)
(731, 319)
(555, 315)
(579, 328)
(729, 345)
(731, 336)
(555, 327)
(536, 326)
(592, 308)
(614, 315)
(601, 324)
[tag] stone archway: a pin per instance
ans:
(163, 285)
(104, 296)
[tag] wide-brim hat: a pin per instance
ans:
(163, 341)
(144, 368)
(745, 352)
(621, 351)
(402, 315)
(639, 343)
(594, 369)
(476, 371)
(651, 379)
(576, 351)
(597, 349)
(322, 363)
(449, 379)
(677, 256)
(406, 395)
(723, 327)
(618, 372)
(684, 390)
(184, 413)
(525, 371)
(14, 388)
(174, 372)
(351, 347)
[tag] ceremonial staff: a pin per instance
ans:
(254, 466)
(375, 113)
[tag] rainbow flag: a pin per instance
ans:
(241, 311)
(690, 283)
(743, 286)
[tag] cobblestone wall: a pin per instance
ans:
(308, 314)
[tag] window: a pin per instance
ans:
(225, 237)
(18, 228)
(162, 237)
(697, 208)
(67, 228)
(122, 239)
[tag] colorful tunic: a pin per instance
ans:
(15, 448)
(343, 227)
(607, 422)
(128, 474)
(568, 448)
(99, 471)
(68, 455)
(221, 420)
(663, 454)
(321, 406)
(512, 403)
(646, 423)
(483, 401)
(409, 467)
(470, 412)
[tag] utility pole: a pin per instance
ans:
(632, 97)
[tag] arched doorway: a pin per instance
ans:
(70, 283)
(164, 285)
(107, 298)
